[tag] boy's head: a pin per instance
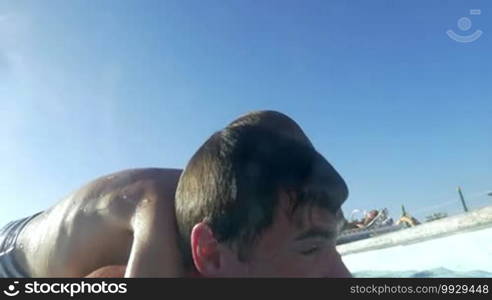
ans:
(258, 200)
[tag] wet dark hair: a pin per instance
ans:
(233, 181)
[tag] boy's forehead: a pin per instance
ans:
(305, 216)
(313, 216)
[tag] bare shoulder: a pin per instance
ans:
(162, 178)
(117, 195)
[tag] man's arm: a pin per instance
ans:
(155, 251)
(108, 272)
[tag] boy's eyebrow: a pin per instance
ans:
(316, 233)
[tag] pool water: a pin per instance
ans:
(465, 254)
(433, 273)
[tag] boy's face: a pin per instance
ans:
(299, 245)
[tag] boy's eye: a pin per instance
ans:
(310, 250)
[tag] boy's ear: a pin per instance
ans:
(205, 250)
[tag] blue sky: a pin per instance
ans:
(92, 87)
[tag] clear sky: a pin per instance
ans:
(401, 110)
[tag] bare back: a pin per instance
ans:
(100, 224)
